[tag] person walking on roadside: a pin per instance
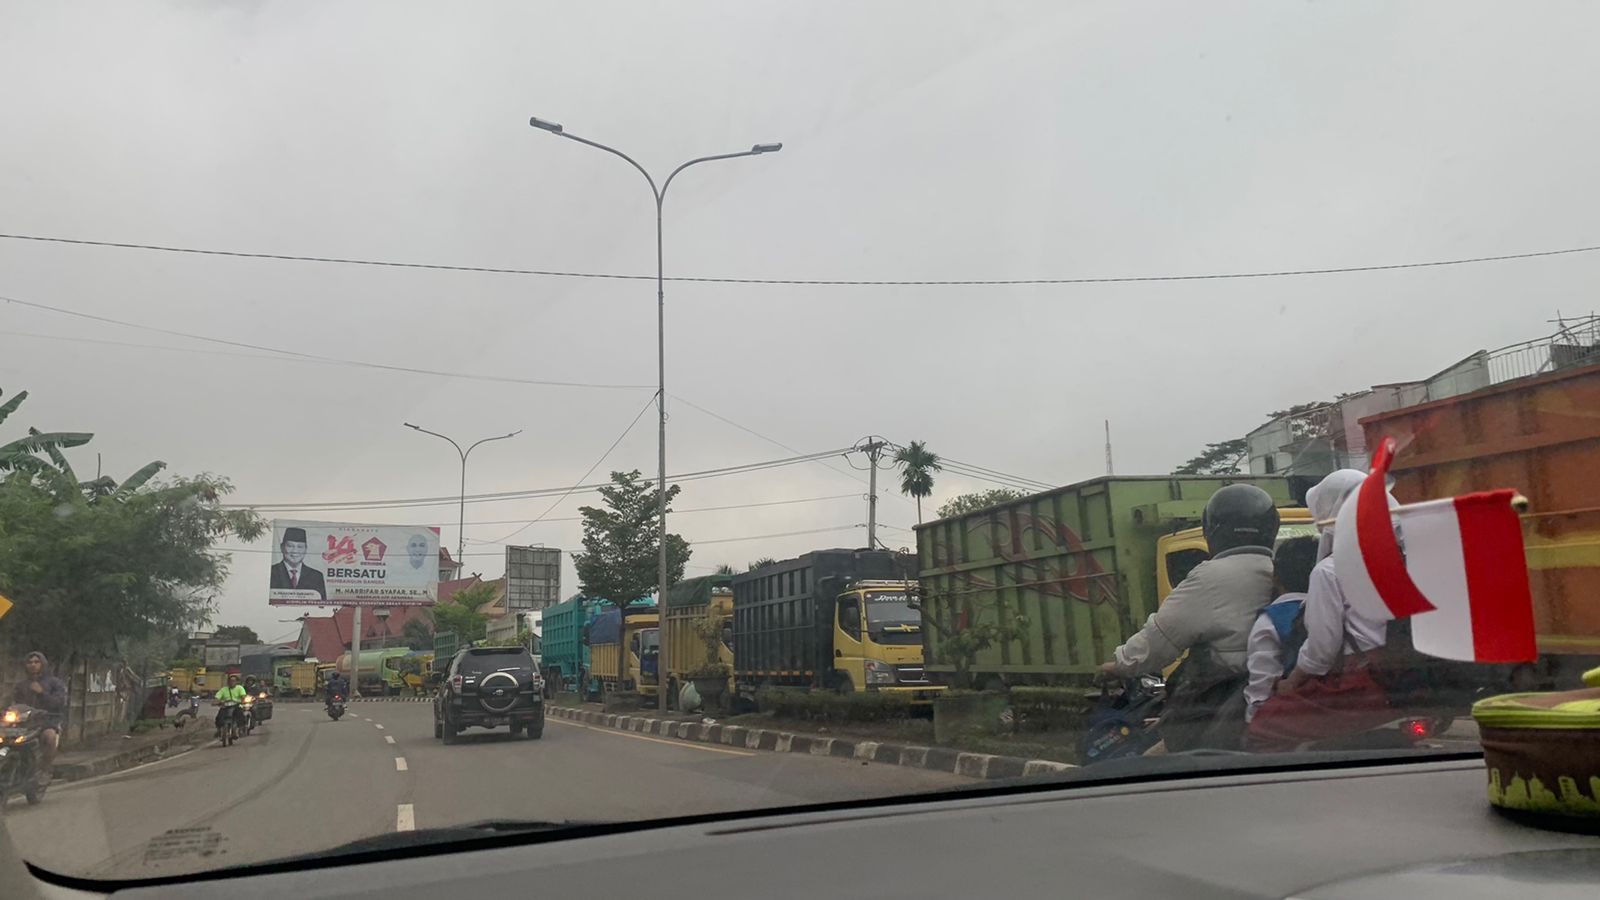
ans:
(47, 694)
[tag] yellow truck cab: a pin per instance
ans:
(639, 635)
(877, 640)
(838, 620)
(1177, 554)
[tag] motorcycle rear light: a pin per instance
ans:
(1417, 728)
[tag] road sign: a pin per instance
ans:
(5, 605)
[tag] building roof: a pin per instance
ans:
(319, 637)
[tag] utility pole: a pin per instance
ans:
(873, 447)
(1108, 447)
(355, 653)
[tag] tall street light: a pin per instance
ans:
(660, 195)
(461, 537)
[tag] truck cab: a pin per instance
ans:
(638, 638)
(1178, 554)
(877, 640)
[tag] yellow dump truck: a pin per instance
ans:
(698, 635)
(639, 637)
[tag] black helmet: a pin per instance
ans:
(1240, 515)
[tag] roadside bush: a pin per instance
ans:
(816, 706)
(1048, 708)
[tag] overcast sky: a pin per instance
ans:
(922, 141)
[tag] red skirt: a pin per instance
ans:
(1334, 705)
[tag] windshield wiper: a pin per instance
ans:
(398, 840)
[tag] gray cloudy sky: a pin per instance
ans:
(922, 141)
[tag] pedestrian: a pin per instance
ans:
(46, 694)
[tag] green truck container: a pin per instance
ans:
(1077, 563)
(566, 656)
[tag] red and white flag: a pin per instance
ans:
(1462, 575)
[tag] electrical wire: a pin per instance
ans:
(586, 474)
(312, 357)
(1043, 485)
(809, 282)
(412, 502)
(730, 540)
(1023, 486)
(676, 512)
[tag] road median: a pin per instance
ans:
(936, 759)
(133, 750)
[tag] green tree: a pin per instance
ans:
(244, 634)
(761, 563)
(1225, 458)
(962, 504)
(417, 634)
(963, 637)
(725, 569)
(89, 570)
(21, 457)
(619, 561)
(464, 614)
(917, 467)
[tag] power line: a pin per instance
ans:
(413, 502)
(809, 282)
(730, 540)
(676, 512)
(590, 471)
(311, 357)
(945, 460)
(1003, 482)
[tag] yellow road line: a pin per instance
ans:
(654, 740)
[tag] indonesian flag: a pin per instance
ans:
(1461, 576)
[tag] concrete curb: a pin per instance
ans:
(182, 741)
(937, 759)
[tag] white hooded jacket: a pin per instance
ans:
(1328, 615)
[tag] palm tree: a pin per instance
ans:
(725, 569)
(917, 464)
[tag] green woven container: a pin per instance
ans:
(1543, 754)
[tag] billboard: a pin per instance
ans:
(335, 564)
(533, 578)
(221, 654)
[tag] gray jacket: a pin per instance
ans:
(1216, 604)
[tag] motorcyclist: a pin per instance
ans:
(234, 691)
(337, 685)
(47, 694)
(1209, 615)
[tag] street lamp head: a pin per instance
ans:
(766, 148)
(411, 426)
(551, 127)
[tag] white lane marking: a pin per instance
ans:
(654, 740)
(388, 739)
(399, 763)
(405, 818)
(377, 726)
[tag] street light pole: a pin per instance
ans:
(660, 195)
(461, 534)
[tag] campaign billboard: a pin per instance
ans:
(533, 577)
(339, 564)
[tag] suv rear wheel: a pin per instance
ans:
(535, 730)
(450, 730)
(438, 728)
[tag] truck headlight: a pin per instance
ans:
(879, 672)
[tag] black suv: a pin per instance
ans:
(486, 687)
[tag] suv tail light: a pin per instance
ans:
(455, 682)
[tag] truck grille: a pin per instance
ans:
(911, 675)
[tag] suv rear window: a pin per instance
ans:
(482, 662)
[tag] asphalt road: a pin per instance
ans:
(303, 783)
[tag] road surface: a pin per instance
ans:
(303, 783)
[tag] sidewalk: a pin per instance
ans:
(114, 752)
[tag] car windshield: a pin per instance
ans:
(1204, 384)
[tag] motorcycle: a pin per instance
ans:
(232, 722)
(172, 698)
(263, 707)
(247, 712)
(22, 754)
(336, 707)
(1123, 723)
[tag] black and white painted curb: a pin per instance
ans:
(938, 759)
